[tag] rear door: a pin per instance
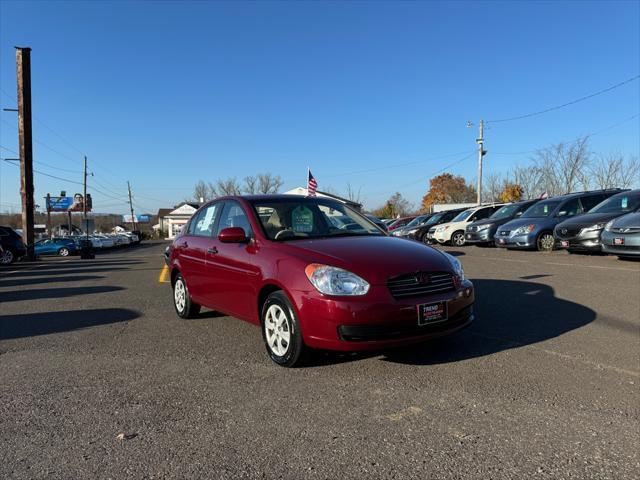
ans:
(232, 270)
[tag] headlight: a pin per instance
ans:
(457, 266)
(594, 228)
(441, 229)
(524, 229)
(483, 227)
(335, 281)
(608, 226)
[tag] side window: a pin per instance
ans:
(203, 224)
(233, 216)
(190, 230)
(571, 208)
(589, 202)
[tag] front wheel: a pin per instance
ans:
(545, 242)
(63, 252)
(457, 239)
(7, 257)
(281, 331)
(185, 307)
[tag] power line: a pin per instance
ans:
(45, 174)
(572, 102)
(598, 132)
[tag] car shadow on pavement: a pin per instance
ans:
(509, 314)
(21, 282)
(53, 293)
(33, 324)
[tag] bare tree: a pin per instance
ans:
(493, 186)
(614, 170)
(268, 183)
(201, 192)
(353, 194)
(529, 179)
(562, 167)
(250, 185)
(222, 187)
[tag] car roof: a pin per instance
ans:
(567, 196)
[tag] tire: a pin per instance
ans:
(7, 257)
(457, 238)
(545, 242)
(185, 307)
(63, 252)
(425, 239)
(281, 331)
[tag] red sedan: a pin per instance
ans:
(315, 274)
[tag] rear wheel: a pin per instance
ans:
(281, 331)
(425, 239)
(457, 239)
(63, 252)
(7, 257)
(185, 307)
(545, 242)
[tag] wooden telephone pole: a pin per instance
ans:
(23, 73)
(133, 219)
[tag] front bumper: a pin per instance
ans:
(630, 247)
(483, 236)
(524, 242)
(586, 242)
(377, 320)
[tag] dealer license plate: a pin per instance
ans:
(432, 312)
(469, 236)
(618, 241)
(501, 241)
(564, 243)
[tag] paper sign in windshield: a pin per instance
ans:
(302, 220)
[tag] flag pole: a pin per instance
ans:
(308, 174)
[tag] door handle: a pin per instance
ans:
(212, 250)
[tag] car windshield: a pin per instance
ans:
(306, 218)
(416, 221)
(624, 203)
(434, 219)
(541, 209)
(506, 211)
(462, 216)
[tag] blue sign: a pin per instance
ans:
(59, 204)
(138, 219)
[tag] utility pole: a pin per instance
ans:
(133, 220)
(49, 215)
(23, 74)
(481, 153)
(84, 202)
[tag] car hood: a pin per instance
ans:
(544, 222)
(630, 220)
(491, 221)
(375, 258)
(588, 219)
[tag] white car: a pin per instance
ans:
(107, 242)
(453, 231)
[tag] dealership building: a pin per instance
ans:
(171, 221)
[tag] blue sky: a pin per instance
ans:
(166, 93)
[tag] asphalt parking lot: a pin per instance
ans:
(100, 379)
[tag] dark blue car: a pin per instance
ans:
(533, 230)
(56, 246)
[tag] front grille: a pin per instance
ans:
(471, 229)
(420, 283)
(505, 233)
(626, 230)
(567, 232)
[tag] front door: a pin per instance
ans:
(232, 278)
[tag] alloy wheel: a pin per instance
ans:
(180, 295)
(545, 242)
(458, 239)
(63, 252)
(6, 258)
(277, 330)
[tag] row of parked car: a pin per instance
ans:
(12, 248)
(594, 221)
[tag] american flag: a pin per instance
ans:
(312, 185)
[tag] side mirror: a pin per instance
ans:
(233, 235)
(562, 213)
(519, 214)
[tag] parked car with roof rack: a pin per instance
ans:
(621, 236)
(582, 233)
(533, 230)
(278, 261)
(481, 232)
(453, 232)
